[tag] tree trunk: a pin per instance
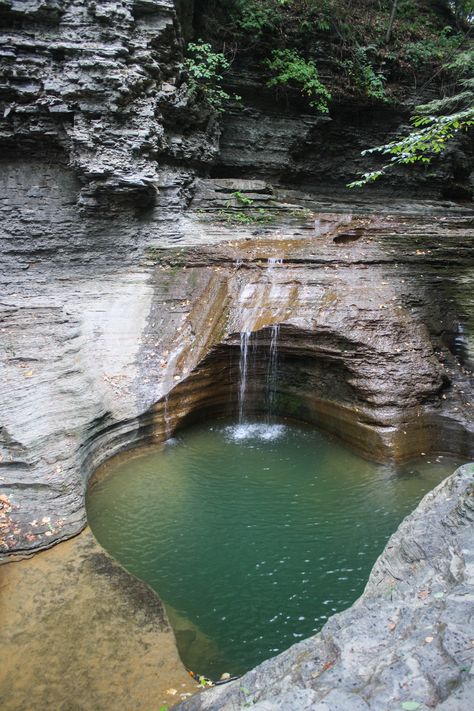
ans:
(391, 21)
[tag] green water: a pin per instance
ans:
(253, 535)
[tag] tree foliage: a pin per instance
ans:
(205, 69)
(435, 123)
(429, 139)
(290, 69)
(326, 49)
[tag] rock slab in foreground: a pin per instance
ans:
(78, 632)
(409, 638)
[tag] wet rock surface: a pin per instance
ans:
(409, 637)
(80, 632)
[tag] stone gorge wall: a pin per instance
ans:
(120, 314)
(95, 85)
(98, 147)
(366, 349)
(279, 139)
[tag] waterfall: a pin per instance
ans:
(243, 371)
(167, 418)
(460, 345)
(272, 370)
(249, 364)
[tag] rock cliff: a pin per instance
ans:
(97, 87)
(113, 337)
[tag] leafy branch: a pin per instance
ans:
(421, 145)
(291, 69)
(205, 69)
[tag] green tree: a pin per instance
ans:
(463, 11)
(421, 145)
(434, 125)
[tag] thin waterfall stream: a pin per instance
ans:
(243, 372)
(272, 371)
(250, 351)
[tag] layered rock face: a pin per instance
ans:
(97, 86)
(121, 311)
(106, 348)
(98, 141)
(365, 348)
(99, 325)
(279, 139)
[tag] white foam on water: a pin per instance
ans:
(255, 430)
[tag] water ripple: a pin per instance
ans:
(253, 534)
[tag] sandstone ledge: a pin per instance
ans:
(410, 636)
(77, 631)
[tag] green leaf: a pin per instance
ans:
(410, 705)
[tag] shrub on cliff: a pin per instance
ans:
(290, 69)
(205, 69)
(434, 124)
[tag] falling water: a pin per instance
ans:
(272, 369)
(272, 261)
(460, 345)
(243, 371)
(273, 355)
(248, 363)
(167, 418)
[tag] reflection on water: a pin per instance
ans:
(253, 534)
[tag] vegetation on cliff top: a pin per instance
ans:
(340, 47)
(376, 51)
(435, 123)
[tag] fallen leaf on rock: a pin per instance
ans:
(328, 665)
(391, 626)
(429, 639)
(423, 594)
